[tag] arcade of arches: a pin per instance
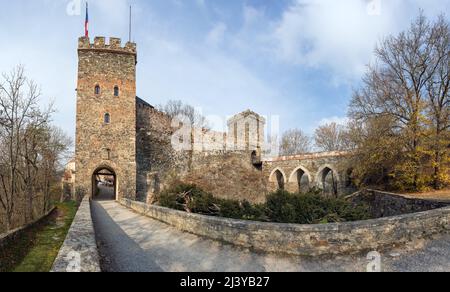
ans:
(300, 174)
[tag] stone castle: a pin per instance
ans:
(121, 135)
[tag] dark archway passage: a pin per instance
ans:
(329, 182)
(277, 180)
(104, 184)
(280, 180)
(302, 180)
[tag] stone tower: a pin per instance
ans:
(106, 115)
(247, 131)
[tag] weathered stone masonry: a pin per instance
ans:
(128, 137)
(307, 171)
(100, 144)
(228, 173)
(310, 240)
(134, 142)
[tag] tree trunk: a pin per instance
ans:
(437, 158)
(8, 220)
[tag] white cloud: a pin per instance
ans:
(251, 15)
(200, 3)
(340, 35)
(217, 34)
(225, 77)
(217, 83)
(111, 14)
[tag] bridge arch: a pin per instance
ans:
(104, 183)
(278, 179)
(328, 180)
(302, 179)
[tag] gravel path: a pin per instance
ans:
(129, 242)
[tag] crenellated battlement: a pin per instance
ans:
(113, 45)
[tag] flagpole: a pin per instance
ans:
(129, 33)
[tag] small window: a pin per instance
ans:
(97, 89)
(116, 91)
(107, 118)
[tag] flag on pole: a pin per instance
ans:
(86, 23)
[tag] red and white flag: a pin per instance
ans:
(86, 23)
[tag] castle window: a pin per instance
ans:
(107, 118)
(116, 91)
(97, 89)
(107, 154)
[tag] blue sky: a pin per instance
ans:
(299, 59)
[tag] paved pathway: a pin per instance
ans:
(130, 242)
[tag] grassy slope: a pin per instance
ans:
(37, 249)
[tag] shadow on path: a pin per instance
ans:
(105, 193)
(112, 240)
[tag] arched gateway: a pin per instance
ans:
(104, 184)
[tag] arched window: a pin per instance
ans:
(107, 119)
(97, 89)
(116, 90)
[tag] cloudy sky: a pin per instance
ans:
(299, 59)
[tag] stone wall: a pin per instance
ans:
(10, 236)
(310, 240)
(211, 162)
(228, 175)
(20, 209)
(157, 161)
(383, 204)
(79, 251)
(225, 173)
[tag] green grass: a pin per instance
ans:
(37, 248)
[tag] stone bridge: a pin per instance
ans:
(129, 236)
(327, 171)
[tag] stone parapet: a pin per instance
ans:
(115, 44)
(79, 251)
(308, 156)
(384, 204)
(10, 236)
(305, 240)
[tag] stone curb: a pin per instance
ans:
(79, 251)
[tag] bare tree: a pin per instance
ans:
(51, 151)
(331, 137)
(18, 108)
(175, 108)
(29, 147)
(295, 142)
